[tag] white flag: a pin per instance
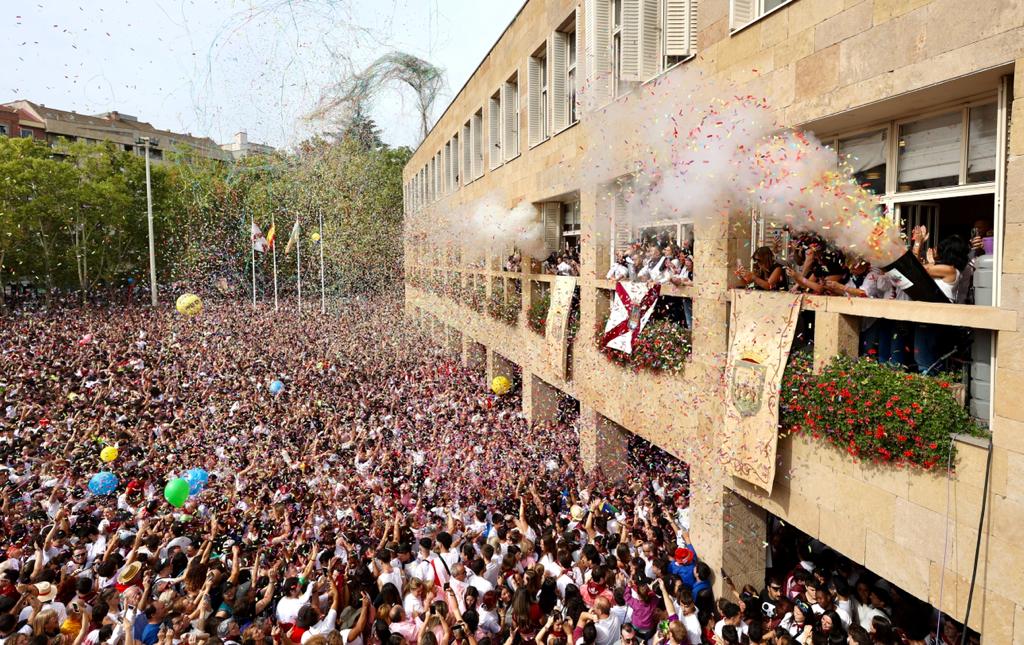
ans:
(259, 243)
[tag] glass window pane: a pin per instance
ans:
(981, 144)
(929, 152)
(867, 155)
(772, 4)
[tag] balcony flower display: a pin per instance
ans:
(662, 346)
(537, 317)
(507, 312)
(875, 412)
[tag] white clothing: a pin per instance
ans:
(325, 626)
(288, 608)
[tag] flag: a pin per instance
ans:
(633, 306)
(293, 238)
(271, 234)
(260, 243)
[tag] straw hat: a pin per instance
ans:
(129, 573)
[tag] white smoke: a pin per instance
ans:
(487, 225)
(695, 148)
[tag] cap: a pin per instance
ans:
(683, 556)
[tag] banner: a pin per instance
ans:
(631, 309)
(762, 325)
(556, 333)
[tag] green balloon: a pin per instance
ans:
(176, 492)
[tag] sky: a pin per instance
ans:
(214, 67)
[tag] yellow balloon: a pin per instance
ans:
(189, 304)
(315, 237)
(501, 385)
(108, 454)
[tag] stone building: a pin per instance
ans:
(116, 127)
(926, 88)
(242, 147)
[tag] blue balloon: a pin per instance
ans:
(103, 483)
(276, 387)
(197, 479)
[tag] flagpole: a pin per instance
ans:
(323, 306)
(298, 258)
(273, 249)
(252, 246)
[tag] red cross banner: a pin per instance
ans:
(632, 307)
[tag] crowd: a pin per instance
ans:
(383, 496)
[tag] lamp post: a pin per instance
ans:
(146, 141)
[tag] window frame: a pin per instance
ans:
(761, 14)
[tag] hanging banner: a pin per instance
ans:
(631, 309)
(762, 325)
(556, 333)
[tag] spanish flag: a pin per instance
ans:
(271, 234)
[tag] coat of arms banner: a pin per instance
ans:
(762, 325)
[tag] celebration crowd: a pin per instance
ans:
(383, 496)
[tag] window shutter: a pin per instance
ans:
(620, 225)
(629, 68)
(581, 44)
(598, 51)
(676, 28)
(467, 154)
(494, 130)
(533, 72)
(559, 48)
(477, 134)
(650, 39)
(743, 12)
(551, 218)
(510, 104)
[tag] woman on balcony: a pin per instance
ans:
(767, 275)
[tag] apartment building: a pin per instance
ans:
(121, 129)
(924, 94)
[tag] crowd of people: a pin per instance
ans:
(382, 497)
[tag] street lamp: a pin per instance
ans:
(147, 142)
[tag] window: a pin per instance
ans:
(26, 133)
(510, 122)
(570, 75)
(744, 12)
(866, 154)
(571, 227)
(456, 166)
(467, 152)
(477, 136)
(563, 75)
(932, 153)
(537, 77)
(447, 165)
(680, 30)
(494, 130)
(981, 144)
(617, 46)
(3, 130)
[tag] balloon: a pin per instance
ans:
(189, 304)
(103, 483)
(108, 454)
(501, 385)
(276, 387)
(315, 237)
(196, 478)
(176, 492)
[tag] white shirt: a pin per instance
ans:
(325, 626)
(740, 629)
(395, 577)
(693, 630)
(479, 583)
(608, 629)
(288, 608)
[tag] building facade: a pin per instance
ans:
(123, 130)
(926, 89)
(242, 147)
